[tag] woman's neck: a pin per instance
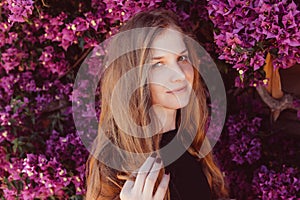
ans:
(167, 118)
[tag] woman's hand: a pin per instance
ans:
(143, 186)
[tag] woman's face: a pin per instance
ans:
(171, 74)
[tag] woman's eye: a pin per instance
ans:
(158, 64)
(182, 58)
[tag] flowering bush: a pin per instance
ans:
(285, 184)
(257, 159)
(247, 30)
(245, 145)
(42, 45)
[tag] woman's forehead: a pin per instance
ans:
(170, 41)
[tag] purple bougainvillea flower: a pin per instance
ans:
(58, 20)
(232, 39)
(11, 58)
(293, 40)
(20, 10)
(257, 61)
(47, 54)
(273, 31)
(80, 24)
(94, 22)
(288, 20)
(68, 37)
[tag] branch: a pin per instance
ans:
(83, 56)
(44, 4)
(276, 105)
(56, 105)
(0, 18)
(196, 26)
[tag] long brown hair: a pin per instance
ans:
(105, 183)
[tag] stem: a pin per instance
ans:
(44, 4)
(83, 56)
(37, 10)
(1, 12)
(276, 106)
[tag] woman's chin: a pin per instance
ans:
(175, 105)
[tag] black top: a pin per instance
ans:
(187, 181)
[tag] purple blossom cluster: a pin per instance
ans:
(12, 58)
(46, 177)
(53, 62)
(66, 34)
(247, 30)
(245, 144)
(20, 10)
(241, 161)
(69, 151)
(281, 184)
(118, 12)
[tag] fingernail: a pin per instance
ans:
(158, 160)
(153, 155)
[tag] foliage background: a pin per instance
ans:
(43, 43)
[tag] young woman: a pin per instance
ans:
(156, 68)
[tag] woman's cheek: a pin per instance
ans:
(189, 72)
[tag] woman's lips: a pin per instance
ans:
(178, 90)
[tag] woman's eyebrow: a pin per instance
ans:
(160, 57)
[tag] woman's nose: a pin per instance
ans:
(177, 73)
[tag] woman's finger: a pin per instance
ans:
(151, 179)
(143, 172)
(162, 188)
(128, 184)
(126, 190)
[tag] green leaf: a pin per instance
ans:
(239, 49)
(17, 144)
(76, 197)
(5, 180)
(81, 43)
